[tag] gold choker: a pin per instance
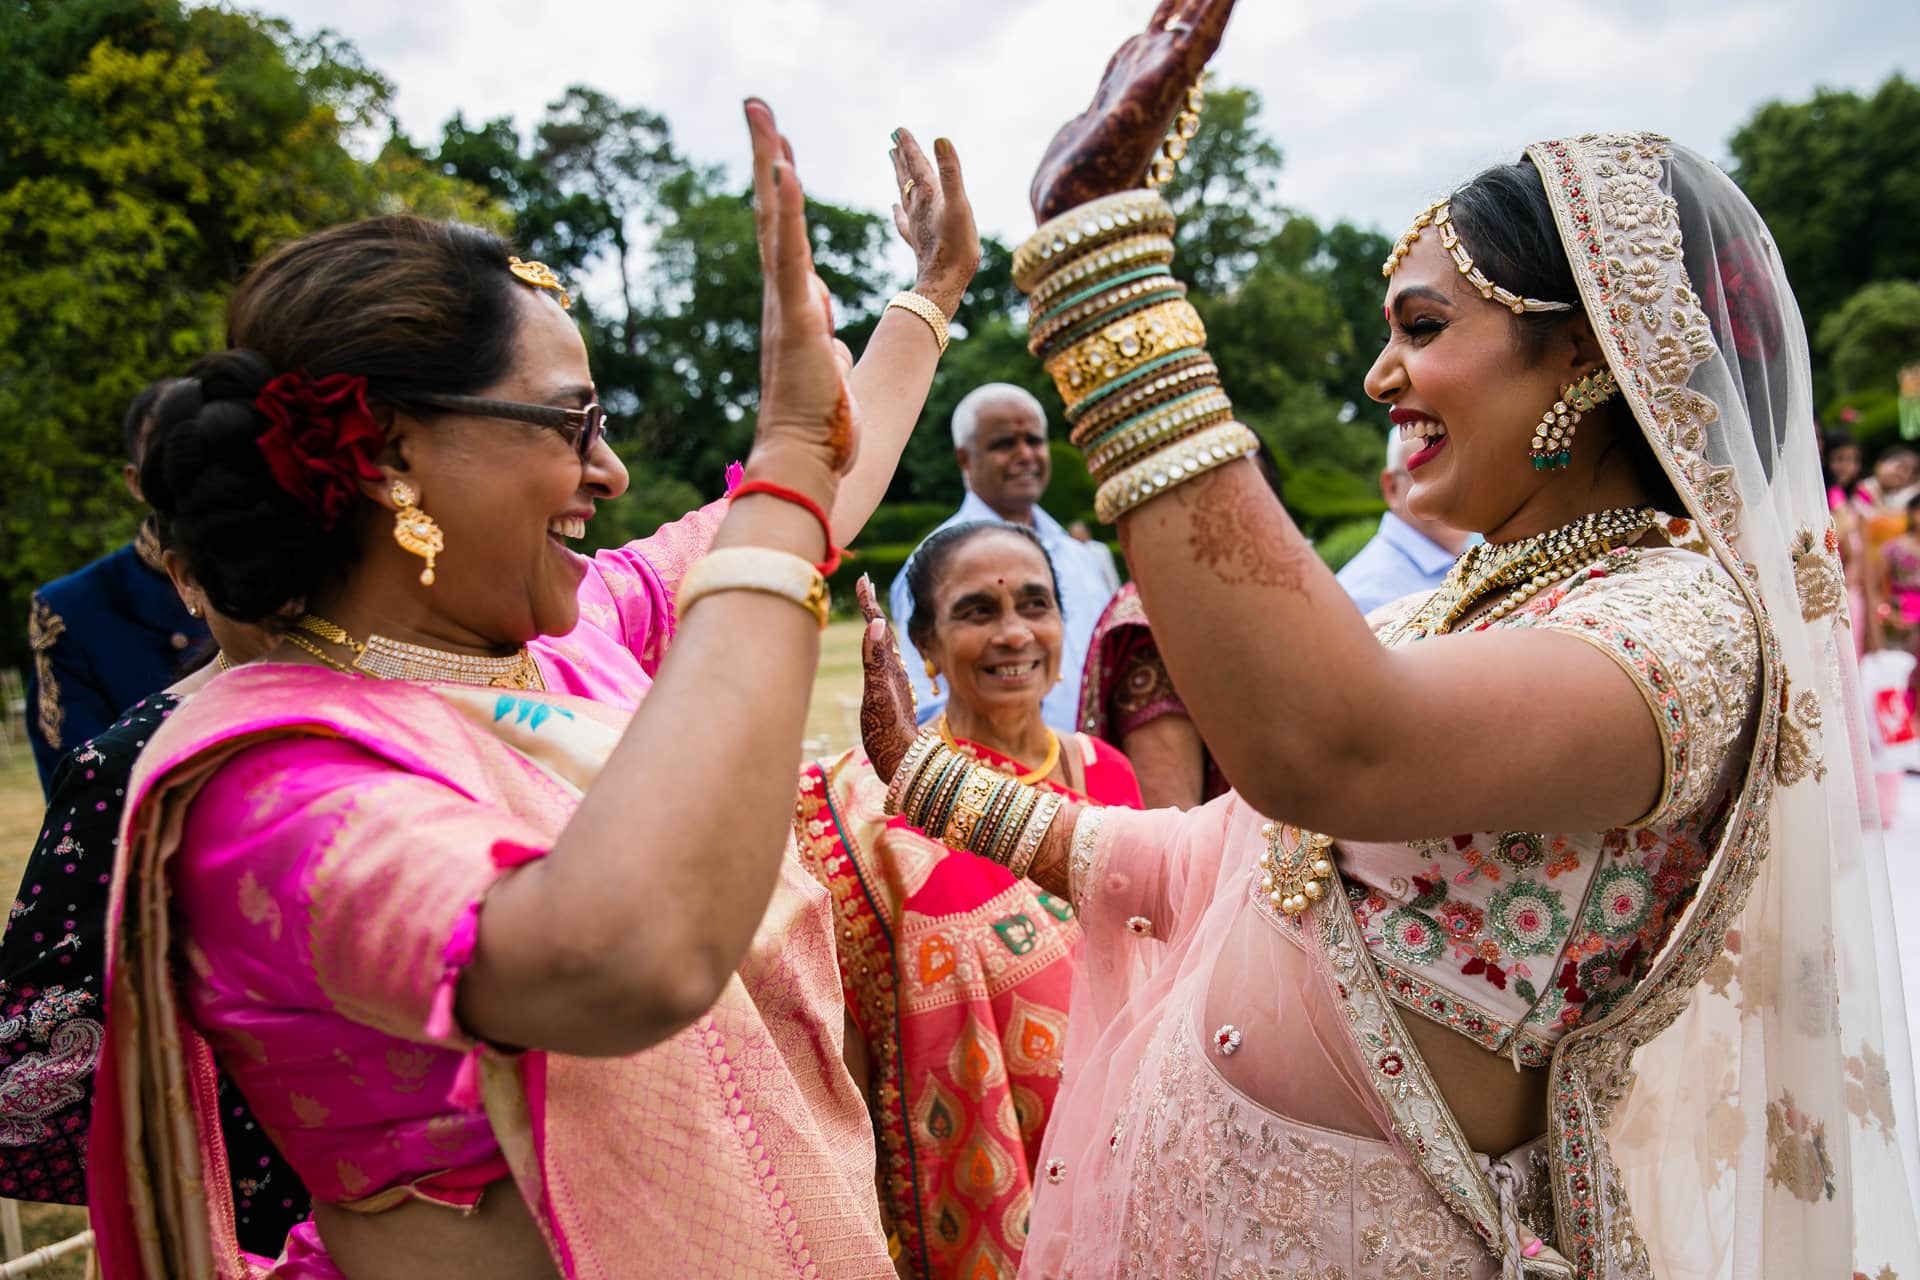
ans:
(1527, 566)
(386, 659)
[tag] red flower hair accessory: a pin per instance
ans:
(321, 441)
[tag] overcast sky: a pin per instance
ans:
(1378, 105)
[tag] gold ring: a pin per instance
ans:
(906, 192)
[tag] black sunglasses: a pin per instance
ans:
(583, 428)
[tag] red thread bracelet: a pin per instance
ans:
(801, 500)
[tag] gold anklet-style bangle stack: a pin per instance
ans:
(1126, 350)
(970, 806)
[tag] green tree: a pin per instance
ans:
(1873, 335)
(1224, 193)
(1835, 179)
(148, 153)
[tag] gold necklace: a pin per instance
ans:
(386, 659)
(1046, 766)
(1528, 566)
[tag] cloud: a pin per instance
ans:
(1379, 105)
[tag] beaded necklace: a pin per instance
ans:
(386, 659)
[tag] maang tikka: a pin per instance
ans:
(1553, 437)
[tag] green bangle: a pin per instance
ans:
(1094, 291)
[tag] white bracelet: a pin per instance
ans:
(920, 306)
(762, 569)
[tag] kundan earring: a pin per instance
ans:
(1553, 437)
(933, 674)
(414, 529)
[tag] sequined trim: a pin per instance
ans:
(1086, 838)
(44, 626)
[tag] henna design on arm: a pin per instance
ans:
(1050, 863)
(1234, 535)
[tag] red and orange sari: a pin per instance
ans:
(956, 975)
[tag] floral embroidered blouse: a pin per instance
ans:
(1512, 938)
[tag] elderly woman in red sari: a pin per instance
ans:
(956, 971)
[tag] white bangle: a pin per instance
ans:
(762, 569)
(936, 318)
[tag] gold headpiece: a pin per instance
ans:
(1440, 214)
(540, 276)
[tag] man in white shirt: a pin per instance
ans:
(1409, 553)
(1000, 442)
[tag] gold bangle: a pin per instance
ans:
(1078, 231)
(1016, 822)
(1125, 345)
(1113, 259)
(918, 305)
(933, 780)
(1198, 453)
(910, 766)
(969, 807)
(1145, 389)
(1160, 426)
(1058, 330)
(759, 569)
(1033, 833)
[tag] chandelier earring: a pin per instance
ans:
(1553, 435)
(414, 529)
(933, 674)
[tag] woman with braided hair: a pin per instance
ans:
(1545, 934)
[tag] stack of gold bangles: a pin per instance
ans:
(969, 806)
(1126, 349)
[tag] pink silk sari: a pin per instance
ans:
(363, 823)
(956, 975)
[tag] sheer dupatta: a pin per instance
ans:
(1749, 1111)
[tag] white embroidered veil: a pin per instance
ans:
(1765, 1126)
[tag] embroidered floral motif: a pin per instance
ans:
(1817, 577)
(1413, 936)
(44, 626)
(1797, 1158)
(1870, 1090)
(1620, 901)
(1520, 849)
(1528, 919)
(1798, 757)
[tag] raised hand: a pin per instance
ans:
(935, 218)
(1107, 147)
(804, 399)
(887, 725)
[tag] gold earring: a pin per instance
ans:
(414, 529)
(1553, 437)
(933, 674)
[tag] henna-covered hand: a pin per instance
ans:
(1107, 147)
(935, 218)
(887, 726)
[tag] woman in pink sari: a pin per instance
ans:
(957, 972)
(481, 894)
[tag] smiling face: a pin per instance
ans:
(1007, 464)
(508, 494)
(997, 628)
(1459, 382)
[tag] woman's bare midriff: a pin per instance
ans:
(1498, 1108)
(498, 1241)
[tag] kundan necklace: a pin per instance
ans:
(1527, 566)
(387, 659)
(1027, 779)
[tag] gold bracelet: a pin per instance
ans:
(1114, 259)
(760, 569)
(1159, 427)
(920, 306)
(1078, 231)
(933, 780)
(1141, 391)
(910, 766)
(1058, 331)
(1033, 833)
(1124, 346)
(969, 807)
(1199, 453)
(1009, 835)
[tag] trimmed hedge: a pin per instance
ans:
(1343, 542)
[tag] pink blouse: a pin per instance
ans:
(363, 1110)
